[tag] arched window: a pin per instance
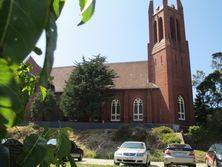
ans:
(155, 32)
(172, 28)
(115, 110)
(160, 24)
(181, 108)
(138, 110)
(178, 30)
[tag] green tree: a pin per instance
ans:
(43, 109)
(208, 100)
(86, 89)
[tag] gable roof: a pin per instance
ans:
(131, 75)
(36, 69)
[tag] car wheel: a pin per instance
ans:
(80, 157)
(147, 163)
(116, 163)
(166, 165)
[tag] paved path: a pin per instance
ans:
(110, 162)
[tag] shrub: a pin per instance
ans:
(139, 134)
(164, 135)
(123, 133)
(162, 130)
(89, 153)
(194, 130)
(170, 138)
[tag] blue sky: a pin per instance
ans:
(119, 31)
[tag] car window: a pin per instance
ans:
(219, 148)
(132, 145)
(212, 148)
(180, 147)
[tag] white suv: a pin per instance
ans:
(132, 153)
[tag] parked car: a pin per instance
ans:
(132, 153)
(76, 152)
(179, 154)
(213, 156)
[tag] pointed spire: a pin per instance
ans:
(179, 5)
(165, 3)
(151, 7)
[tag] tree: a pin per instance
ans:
(43, 109)
(208, 100)
(21, 25)
(86, 89)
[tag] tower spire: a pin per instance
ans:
(179, 5)
(151, 7)
(165, 3)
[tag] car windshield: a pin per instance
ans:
(132, 145)
(219, 148)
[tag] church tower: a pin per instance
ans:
(169, 63)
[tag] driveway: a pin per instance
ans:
(110, 162)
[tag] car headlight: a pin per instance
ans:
(140, 154)
(117, 153)
(219, 156)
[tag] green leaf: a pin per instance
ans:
(63, 144)
(51, 38)
(34, 151)
(11, 105)
(57, 7)
(37, 50)
(43, 92)
(87, 8)
(22, 22)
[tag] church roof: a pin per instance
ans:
(131, 75)
(35, 67)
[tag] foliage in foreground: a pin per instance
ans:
(22, 23)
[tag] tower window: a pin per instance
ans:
(181, 108)
(172, 28)
(178, 30)
(160, 24)
(155, 32)
(138, 110)
(115, 110)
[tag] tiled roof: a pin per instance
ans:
(132, 75)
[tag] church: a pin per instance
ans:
(157, 90)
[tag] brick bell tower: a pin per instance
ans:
(169, 63)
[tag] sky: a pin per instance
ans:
(119, 30)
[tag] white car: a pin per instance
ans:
(132, 153)
(179, 154)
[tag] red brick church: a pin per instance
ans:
(155, 91)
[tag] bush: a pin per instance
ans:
(162, 130)
(194, 130)
(89, 153)
(139, 134)
(164, 135)
(170, 138)
(127, 133)
(123, 133)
